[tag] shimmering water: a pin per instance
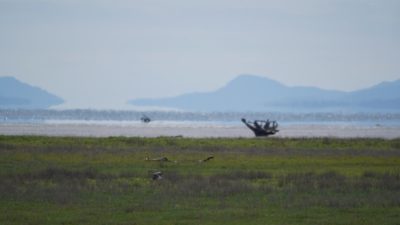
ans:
(127, 117)
(190, 124)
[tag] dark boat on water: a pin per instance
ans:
(145, 119)
(262, 127)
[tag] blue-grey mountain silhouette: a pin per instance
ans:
(255, 93)
(15, 94)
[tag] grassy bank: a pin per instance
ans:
(56, 180)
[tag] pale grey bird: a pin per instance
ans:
(157, 175)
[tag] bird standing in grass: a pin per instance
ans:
(161, 159)
(207, 159)
(157, 175)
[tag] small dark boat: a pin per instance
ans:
(145, 119)
(262, 127)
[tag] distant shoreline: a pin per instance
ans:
(197, 131)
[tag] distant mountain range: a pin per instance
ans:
(254, 93)
(16, 94)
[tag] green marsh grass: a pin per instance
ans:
(68, 180)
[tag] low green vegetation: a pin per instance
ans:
(70, 180)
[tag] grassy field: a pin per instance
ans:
(65, 180)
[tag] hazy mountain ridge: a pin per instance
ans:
(254, 93)
(16, 94)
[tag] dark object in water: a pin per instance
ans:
(262, 127)
(145, 119)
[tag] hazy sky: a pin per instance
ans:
(105, 52)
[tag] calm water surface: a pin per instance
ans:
(188, 124)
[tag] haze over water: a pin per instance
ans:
(100, 54)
